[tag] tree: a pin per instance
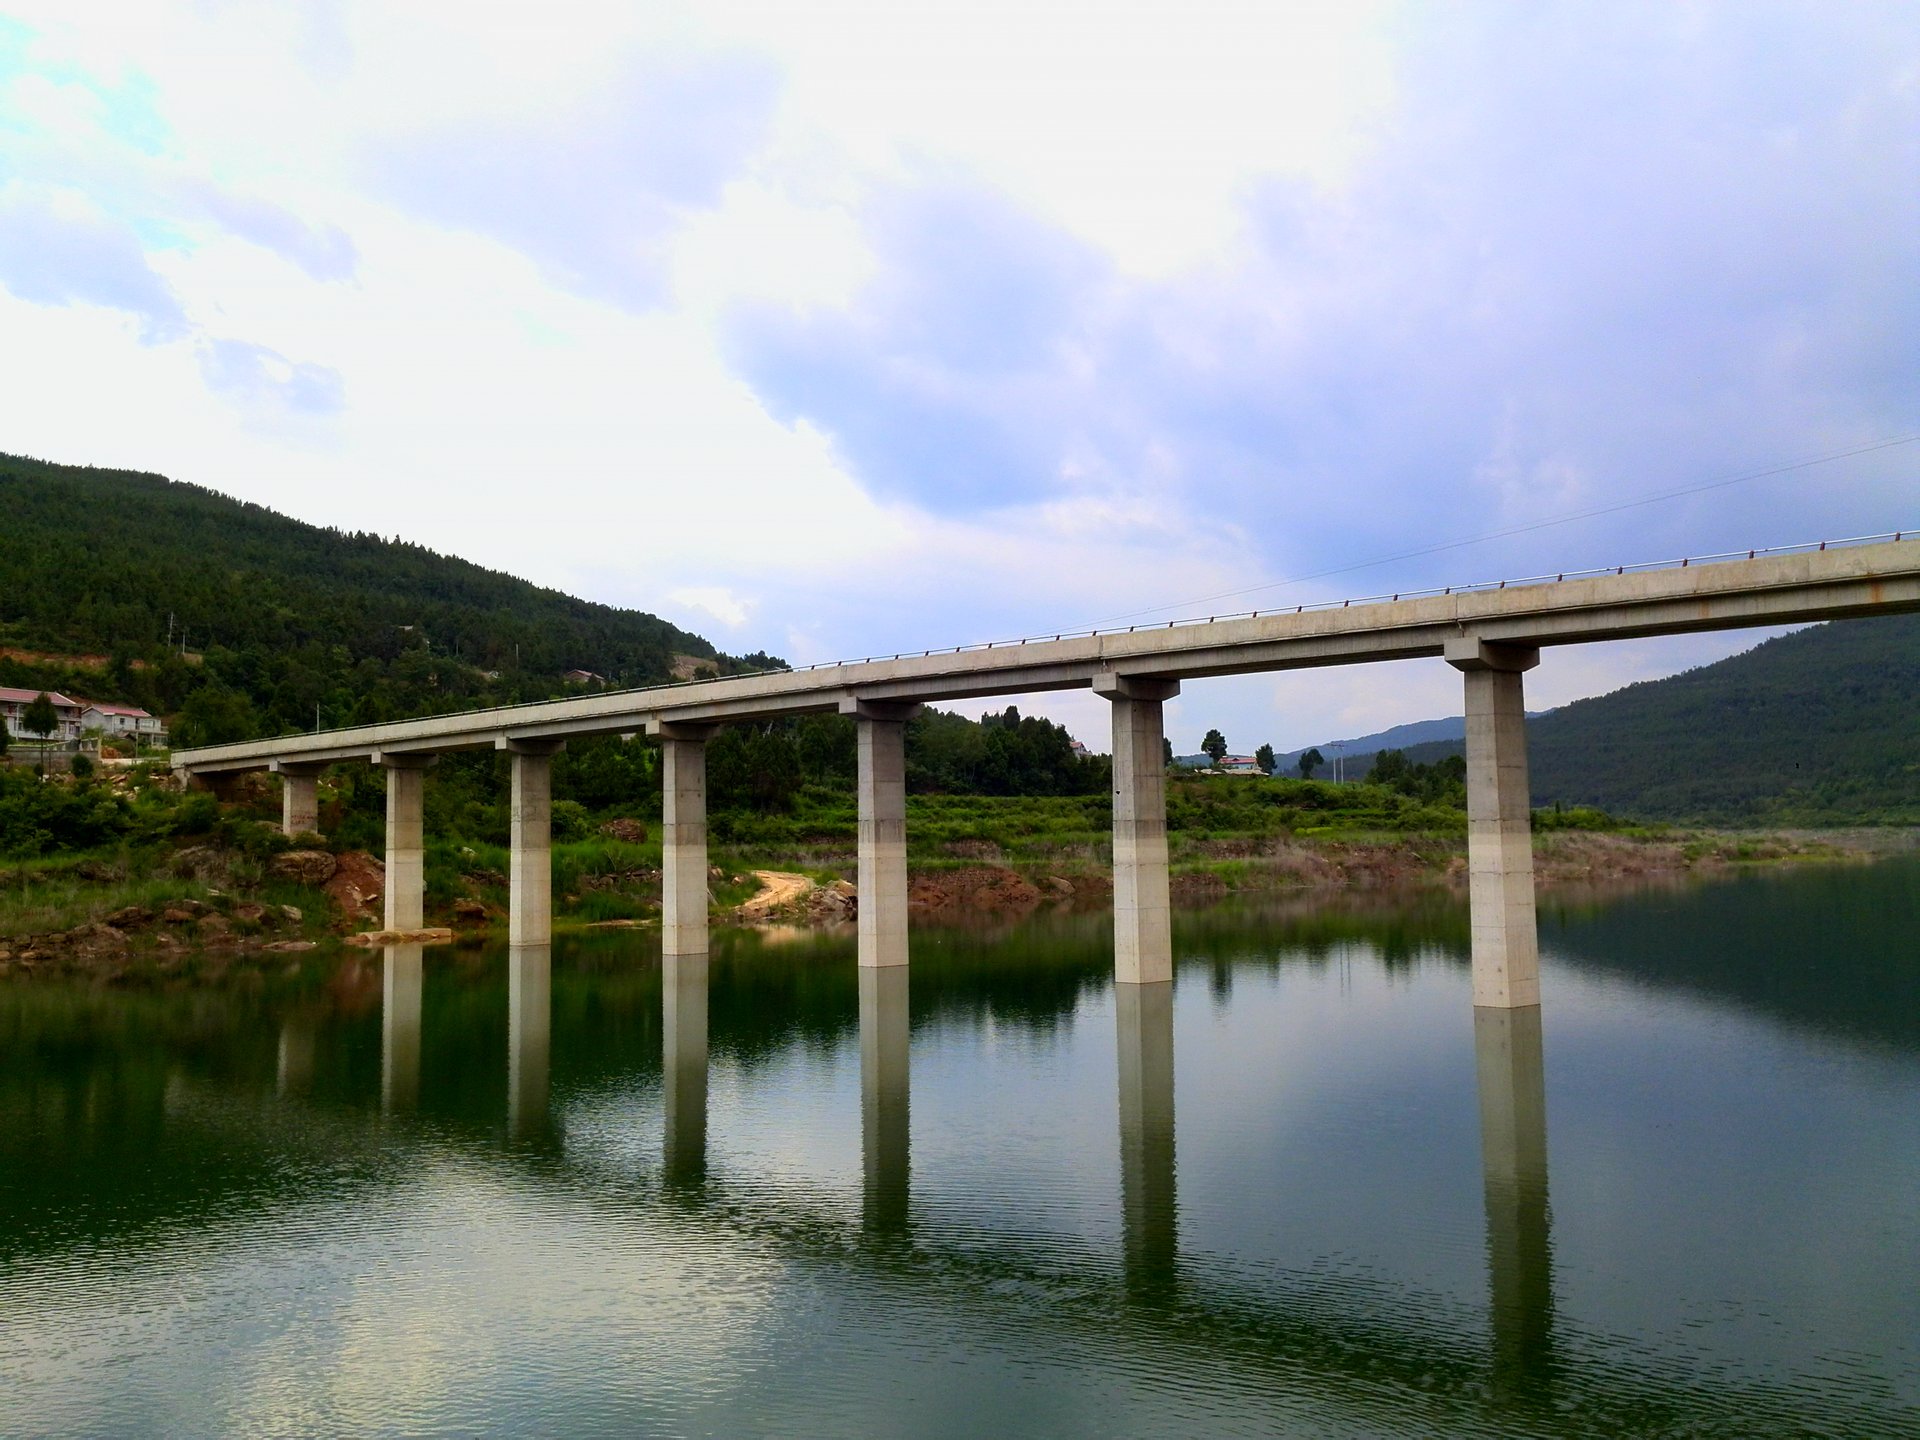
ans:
(40, 717)
(1310, 762)
(1263, 757)
(1215, 745)
(1389, 768)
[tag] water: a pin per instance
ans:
(1307, 1192)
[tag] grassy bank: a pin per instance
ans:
(228, 869)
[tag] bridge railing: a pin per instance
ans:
(1806, 547)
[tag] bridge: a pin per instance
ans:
(1491, 633)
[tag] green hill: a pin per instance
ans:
(279, 616)
(1820, 727)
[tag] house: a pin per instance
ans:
(121, 720)
(13, 709)
(1239, 765)
(583, 677)
(1080, 751)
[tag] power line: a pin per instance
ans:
(1718, 484)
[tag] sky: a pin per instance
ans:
(846, 328)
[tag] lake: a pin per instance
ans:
(1304, 1190)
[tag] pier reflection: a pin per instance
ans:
(401, 969)
(683, 1062)
(1149, 1214)
(884, 1116)
(293, 1074)
(1513, 1151)
(529, 1029)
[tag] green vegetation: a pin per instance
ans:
(280, 622)
(1819, 727)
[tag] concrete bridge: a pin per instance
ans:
(1493, 634)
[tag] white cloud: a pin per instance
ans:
(1138, 302)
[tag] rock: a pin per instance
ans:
(199, 862)
(630, 831)
(287, 947)
(1060, 885)
(714, 872)
(357, 884)
(214, 927)
(293, 913)
(96, 937)
(470, 912)
(249, 912)
(130, 918)
(95, 870)
(303, 867)
(176, 915)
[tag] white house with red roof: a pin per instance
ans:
(13, 708)
(119, 720)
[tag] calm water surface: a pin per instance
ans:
(1303, 1190)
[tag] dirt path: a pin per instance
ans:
(778, 889)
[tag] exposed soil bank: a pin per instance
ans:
(1570, 860)
(210, 914)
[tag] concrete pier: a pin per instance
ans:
(530, 858)
(1513, 1150)
(406, 895)
(401, 973)
(683, 1063)
(1506, 942)
(529, 1036)
(683, 837)
(882, 791)
(1142, 912)
(884, 1097)
(1149, 1215)
(299, 797)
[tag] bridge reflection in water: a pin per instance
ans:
(1509, 1065)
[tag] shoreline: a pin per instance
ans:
(213, 929)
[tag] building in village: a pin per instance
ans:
(13, 709)
(122, 722)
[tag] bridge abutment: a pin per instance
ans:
(1506, 942)
(881, 736)
(1142, 911)
(683, 837)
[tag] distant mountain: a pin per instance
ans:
(1397, 737)
(1818, 727)
(279, 618)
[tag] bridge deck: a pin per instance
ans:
(1830, 584)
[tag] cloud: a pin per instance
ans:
(325, 252)
(593, 190)
(1590, 255)
(948, 381)
(57, 250)
(266, 382)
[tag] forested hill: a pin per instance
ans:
(280, 616)
(1818, 727)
